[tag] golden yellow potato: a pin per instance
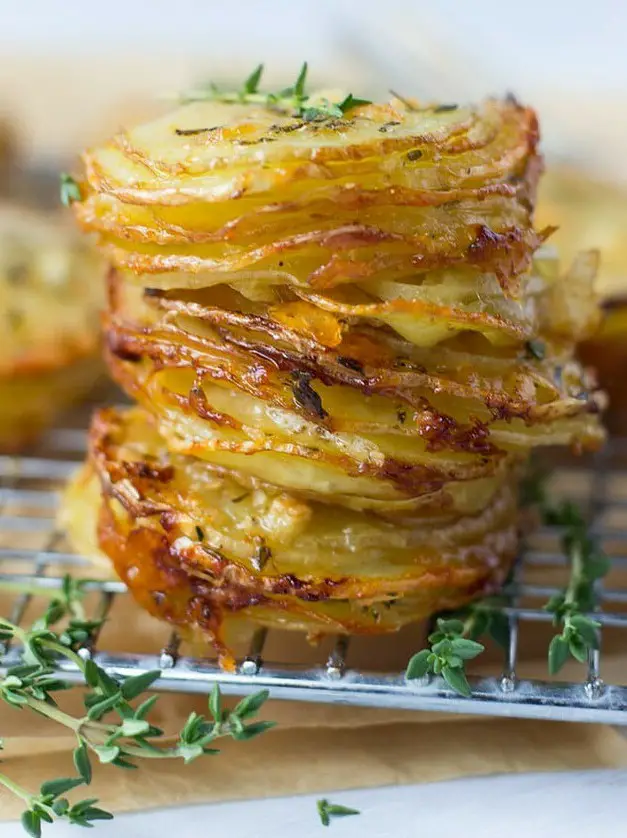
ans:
(198, 551)
(345, 335)
(50, 299)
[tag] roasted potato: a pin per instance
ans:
(345, 336)
(50, 299)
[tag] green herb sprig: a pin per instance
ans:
(587, 563)
(70, 191)
(293, 100)
(456, 640)
(571, 607)
(115, 728)
(449, 649)
(327, 811)
(535, 349)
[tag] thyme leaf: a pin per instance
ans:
(572, 606)
(70, 191)
(113, 729)
(292, 100)
(327, 811)
(305, 396)
(251, 85)
(449, 647)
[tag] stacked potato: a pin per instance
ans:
(593, 211)
(344, 338)
(50, 301)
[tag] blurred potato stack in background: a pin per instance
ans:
(593, 213)
(50, 299)
(344, 337)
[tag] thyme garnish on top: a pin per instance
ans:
(115, 728)
(292, 100)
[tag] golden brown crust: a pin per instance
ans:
(161, 523)
(33, 400)
(239, 388)
(345, 338)
(281, 187)
(50, 297)
(50, 294)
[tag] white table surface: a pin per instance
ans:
(577, 805)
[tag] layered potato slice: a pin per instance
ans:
(198, 551)
(345, 336)
(387, 192)
(291, 393)
(50, 300)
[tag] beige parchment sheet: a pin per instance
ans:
(318, 748)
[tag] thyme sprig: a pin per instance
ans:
(327, 811)
(115, 728)
(571, 607)
(448, 647)
(293, 99)
(69, 189)
(456, 640)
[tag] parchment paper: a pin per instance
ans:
(317, 748)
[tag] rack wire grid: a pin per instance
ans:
(29, 495)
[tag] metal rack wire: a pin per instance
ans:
(29, 492)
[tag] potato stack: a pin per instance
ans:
(50, 299)
(344, 337)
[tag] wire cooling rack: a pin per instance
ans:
(29, 495)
